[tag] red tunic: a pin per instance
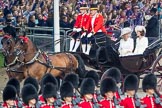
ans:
(104, 103)
(47, 106)
(85, 104)
(41, 99)
(117, 96)
(81, 21)
(98, 25)
(4, 104)
(128, 102)
(150, 102)
(64, 105)
(27, 106)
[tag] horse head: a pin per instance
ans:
(8, 44)
(24, 48)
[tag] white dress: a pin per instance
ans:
(126, 47)
(141, 45)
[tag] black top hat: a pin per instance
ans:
(14, 82)
(48, 78)
(29, 92)
(66, 90)
(94, 75)
(33, 81)
(49, 90)
(87, 86)
(73, 78)
(153, 10)
(131, 82)
(9, 92)
(114, 73)
(93, 7)
(83, 6)
(108, 84)
(149, 82)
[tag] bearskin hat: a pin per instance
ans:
(48, 78)
(73, 78)
(131, 82)
(108, 84)
(29, 92)
(149, 82)
(66, 90)
(87, 86)
(33, 81)
(49, 90)
(94, 75)
(114, 73)
(9, 92)
(14, 82)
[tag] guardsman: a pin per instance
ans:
(9, 97)
(108, 89)
(29, 96)
(95, 27)
(49, 94)
(79, 27)
(87, 91)
(116, 75)
(67, 93)
(47, 78)
(152, 98)
(130, 88)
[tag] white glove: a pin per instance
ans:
(89, 35)
(74, 30)
(78, 30)
(83, 34)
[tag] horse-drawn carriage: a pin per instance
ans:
(104, 55)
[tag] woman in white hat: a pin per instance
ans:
(126, 43)
(141, 41)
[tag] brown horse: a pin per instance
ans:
(10, 60)
(37, 63)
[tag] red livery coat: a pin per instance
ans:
(98, 24)
(4, 104)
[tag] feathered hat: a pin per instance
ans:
(66, 90)
(9, 92)
(114, 73)
(94, 75)
(33, 81)
(14, 82)
(149, 82)
(49, 90)
(108, 84)
(87, 86)
(73, 78)
(131, 82)
(29, 92)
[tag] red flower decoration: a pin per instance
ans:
(24, 38)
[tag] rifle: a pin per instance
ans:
(137, 102)
(77, 100)
(157, 99)
(58, 101)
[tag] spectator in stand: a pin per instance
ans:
(50, 20)
(64, 22)
(31, 22)
(41, 21)
(152, 25)
(2, 19)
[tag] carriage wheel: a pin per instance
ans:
(157, 70)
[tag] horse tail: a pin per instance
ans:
(81, 67)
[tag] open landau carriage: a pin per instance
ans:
(104, 55)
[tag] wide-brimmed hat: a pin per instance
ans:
(140, 28)
(125, 30)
